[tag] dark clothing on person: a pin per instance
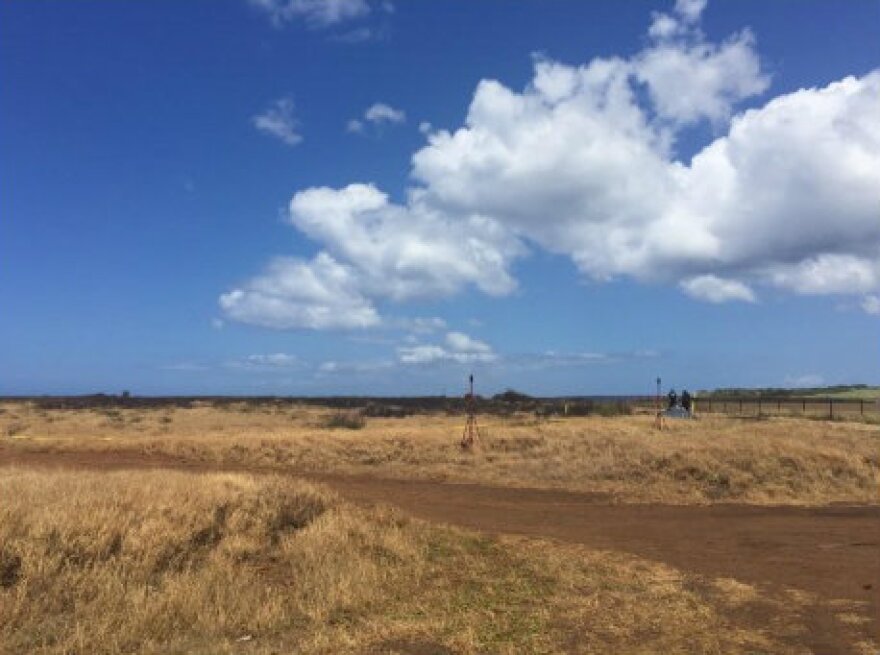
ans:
(686, 400)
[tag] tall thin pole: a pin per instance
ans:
(471, 432)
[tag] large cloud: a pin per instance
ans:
(574, 165)
(582, 162)
(390, 252)
(406, 252)
(318, 294)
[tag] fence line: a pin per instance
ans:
(752, 406)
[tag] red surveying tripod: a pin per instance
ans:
(471, 431)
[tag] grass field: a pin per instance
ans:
(715, 459)
(255, 560)
(171, 562)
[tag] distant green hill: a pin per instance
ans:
(842, 391)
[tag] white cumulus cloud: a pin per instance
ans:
(581, 162)
(691, 81)
(373, 249)
(404, 252)
(574, 164)
(317, 294)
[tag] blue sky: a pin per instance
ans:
(352, 197)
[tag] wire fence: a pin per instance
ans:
(829, 408)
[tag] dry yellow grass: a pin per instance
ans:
(714, 459)
(172, 562)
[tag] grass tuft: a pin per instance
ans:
(344, 420)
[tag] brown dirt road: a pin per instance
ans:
(832, 553)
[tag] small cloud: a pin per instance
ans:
(716, 289)
(459, 348)
(382, 113)
(279, 121)
(422, 354)
(871, 305)
(425, 127)
(377, 114)
(461, 343)
(333, 367)
(317, 14)
(267, 362)
(218, 323)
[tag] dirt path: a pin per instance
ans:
(831, 552)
